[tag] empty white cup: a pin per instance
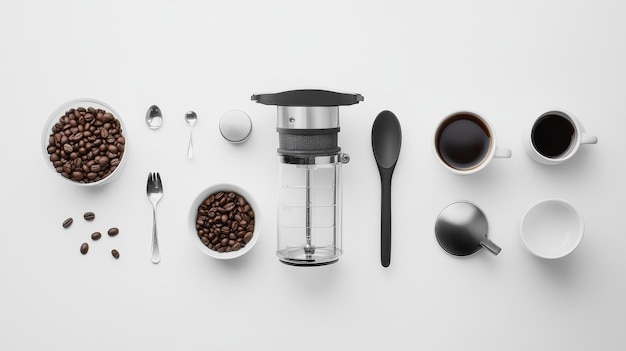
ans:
(552, 229)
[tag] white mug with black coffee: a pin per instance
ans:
(555, 137)
(465, 143)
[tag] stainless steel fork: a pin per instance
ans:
(154, 189)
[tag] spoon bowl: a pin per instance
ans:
(154, 117)
(191, 118)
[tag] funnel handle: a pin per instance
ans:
(491, 246)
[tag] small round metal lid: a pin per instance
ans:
(235, 126)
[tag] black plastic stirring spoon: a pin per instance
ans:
(386, 142)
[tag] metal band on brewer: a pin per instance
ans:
(309, 160)
(308, 117)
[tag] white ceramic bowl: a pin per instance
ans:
(193, 212)
(54, 118)
(552, 229)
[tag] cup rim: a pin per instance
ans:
(486, 159)
(193, 210)
(574, 145)
(557, 201)
(55, 115)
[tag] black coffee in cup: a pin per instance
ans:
(463, 141)
(552, 135)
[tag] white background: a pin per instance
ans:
(508, 60)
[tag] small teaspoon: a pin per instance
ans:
(191, 118)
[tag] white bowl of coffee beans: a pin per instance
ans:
(84, 141)
(224, 221)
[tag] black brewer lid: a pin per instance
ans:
(308, 97)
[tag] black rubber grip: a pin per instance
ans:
(385, 217)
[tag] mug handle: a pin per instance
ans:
(502, 152)
(588, 139)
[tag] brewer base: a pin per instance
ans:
(306, 263)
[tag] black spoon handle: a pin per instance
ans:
(385, 216)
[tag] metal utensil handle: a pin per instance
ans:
(190, 147)
(156, 255)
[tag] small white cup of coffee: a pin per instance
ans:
(555, 137)
(551, 229)
(465, 143)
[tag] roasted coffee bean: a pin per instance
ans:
(222, 224)
(247, 237)
(89, 216)
(96, 236)
(84, 136)
(68, 222)
(113, 231)
(115, 254)
(102, 161)
(84, 248)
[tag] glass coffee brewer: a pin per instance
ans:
(309, 186)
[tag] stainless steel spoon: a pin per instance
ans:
(191, 118)
(154, 117)
(461, 230)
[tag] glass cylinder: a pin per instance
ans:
(309, 210)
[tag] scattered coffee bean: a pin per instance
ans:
(96, 236)
(113, 231)
(115, 254)
(89, 216)
(68, 222)
(225, 222)
(83, 138)
(84, 248)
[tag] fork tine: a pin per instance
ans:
(158, 181)
(148, 182)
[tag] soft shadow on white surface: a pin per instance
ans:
(421, 60)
